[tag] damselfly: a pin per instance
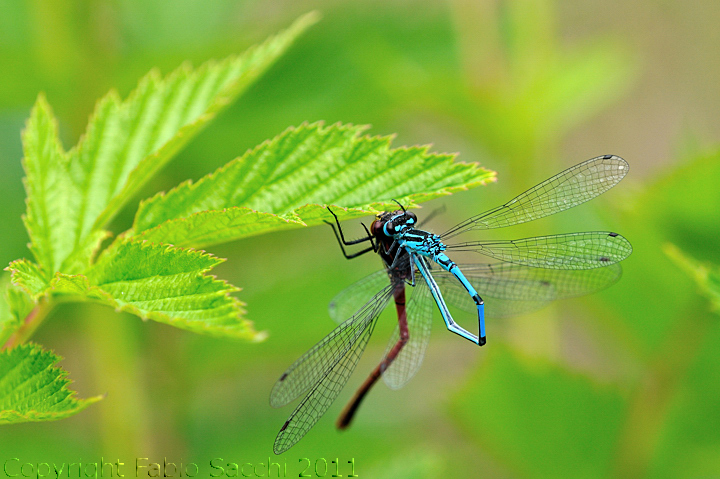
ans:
(533, 272)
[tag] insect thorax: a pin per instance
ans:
(422, 242)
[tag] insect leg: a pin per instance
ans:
(341, 239)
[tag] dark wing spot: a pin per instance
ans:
(545, 283)
(612, 234)
(285, 425)
(607, 157)
(604, 259)
(282, 378)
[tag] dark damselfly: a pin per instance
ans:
(532, 272)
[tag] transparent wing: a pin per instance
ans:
(352, 298)
(315, 404)
(594, 249)
(511, 289)
(312, 367)
(419, 317)
(569, 188)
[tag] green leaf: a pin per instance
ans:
(29, 277)
(706, 276)
(155, 282)
(50, 191)
(540, 419)
(15, 305)
(84, 252)
(72, 195)
(215, 226)
(291, 178)
(31, 389)
(162, 115)
(162, 283)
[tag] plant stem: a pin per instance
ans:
(30, 323)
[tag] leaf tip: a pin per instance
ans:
(305, 21)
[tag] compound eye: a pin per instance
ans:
(376, 228)
(389, 228)
(411, 218)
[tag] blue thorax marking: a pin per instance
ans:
(422, 243)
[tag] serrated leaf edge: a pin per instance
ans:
(6, 416)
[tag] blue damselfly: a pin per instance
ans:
(532, 272)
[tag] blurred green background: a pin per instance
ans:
(625, 383)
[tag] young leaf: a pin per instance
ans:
(49, 189)
(31, 389)
(29, 277)
(71, 195)
(292, 177)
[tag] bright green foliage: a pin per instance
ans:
(31, 389)
(291, 178)
(546, 422)
(72, 195)
(706, 276)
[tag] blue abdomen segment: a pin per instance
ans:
(450, 266)
(455, 270)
